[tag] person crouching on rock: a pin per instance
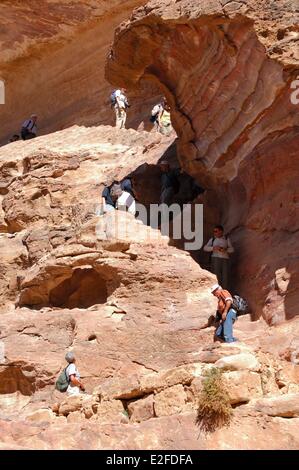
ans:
(225, 314)
(72, 373)
(125, 201)
(112, 192)
(29, 128)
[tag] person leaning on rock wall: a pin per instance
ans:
(220, 247)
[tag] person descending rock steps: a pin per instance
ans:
(69, 379)
(29, 128)
(164, 120)
(170, 184)
(220, 248)
(120, 104)
(226, 314)
(156, 113)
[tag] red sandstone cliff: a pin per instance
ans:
(227, 68)
(52, 60)
(133, 307)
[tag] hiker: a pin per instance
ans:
(73, 376)
(14, 138)
(220, 248)
(226, 314)
(156, 112)
(164, 121)
(29, 128)
(120, 103)
(169, 182)
(127, 185)
(125, 201)
(109, 200)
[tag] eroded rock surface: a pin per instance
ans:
(132, 307)
(52, 61)
(226, 69)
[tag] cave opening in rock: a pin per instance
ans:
(86, 287)
(147, 182)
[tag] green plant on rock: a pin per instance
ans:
(214, 408)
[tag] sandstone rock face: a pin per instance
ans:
(132, 307)
(243, 386)
(241, 361)
(142, 409)
(52, 62)
(227, 70)
(129, 301)
(285, 406)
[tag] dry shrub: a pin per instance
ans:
(214, 408)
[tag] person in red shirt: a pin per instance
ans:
(226, 312)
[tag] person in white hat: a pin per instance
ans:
(226, 313)
(29, 128)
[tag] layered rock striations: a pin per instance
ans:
(52, 60)
(228, 71)
(133, 308)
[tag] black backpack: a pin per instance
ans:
(240, 305)
(113, 98)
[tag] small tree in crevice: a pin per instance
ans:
(214, 408)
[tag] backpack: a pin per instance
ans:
(240, 305)
(155, 112)
(63, 381)
(113, 98)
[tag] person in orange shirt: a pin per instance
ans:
(226, 312)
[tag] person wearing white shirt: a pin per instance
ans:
(120, 107)
(73, 376)
(126, 202)
(29, 128)
(220, 248)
